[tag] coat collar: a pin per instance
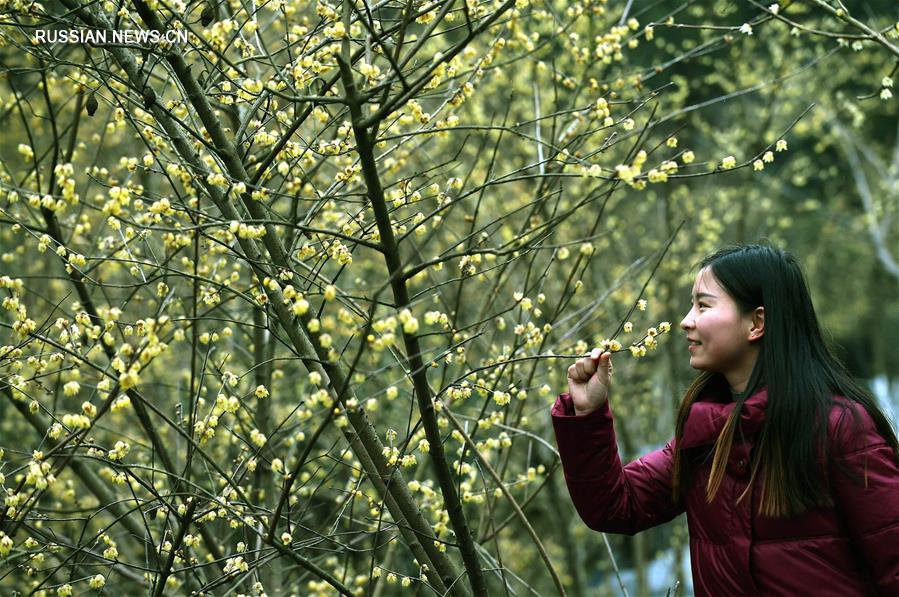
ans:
(709, 414)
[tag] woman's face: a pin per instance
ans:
(721, 338)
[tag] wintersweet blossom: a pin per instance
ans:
(610, 345)
(97, 582)
(6, 544)
(638, 349)
(502, 398)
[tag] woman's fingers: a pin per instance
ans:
(605, 361)
(578, 372)
(583, 369)
(589, 379)
(603, 365)
(582, 375)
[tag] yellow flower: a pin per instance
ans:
(300, 307)
(410, 325)
(657, 176)
(781, 145)
(626, 173)
(88, 409)
(728, 162)
(129, 380)
(5, 544)
(119, 451)
(502, 398)
(758, 165)
(257, 437)
(687, 157)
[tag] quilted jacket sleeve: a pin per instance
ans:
(866, 488)
(608, 496)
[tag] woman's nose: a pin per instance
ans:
(687, 322)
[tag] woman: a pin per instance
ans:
(786, 468)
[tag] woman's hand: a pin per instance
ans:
(589, 380)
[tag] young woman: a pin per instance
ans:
(786, 468)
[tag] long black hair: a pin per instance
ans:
(802, 376)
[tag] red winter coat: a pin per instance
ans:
(851, 549)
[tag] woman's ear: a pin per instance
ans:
(758, 324)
